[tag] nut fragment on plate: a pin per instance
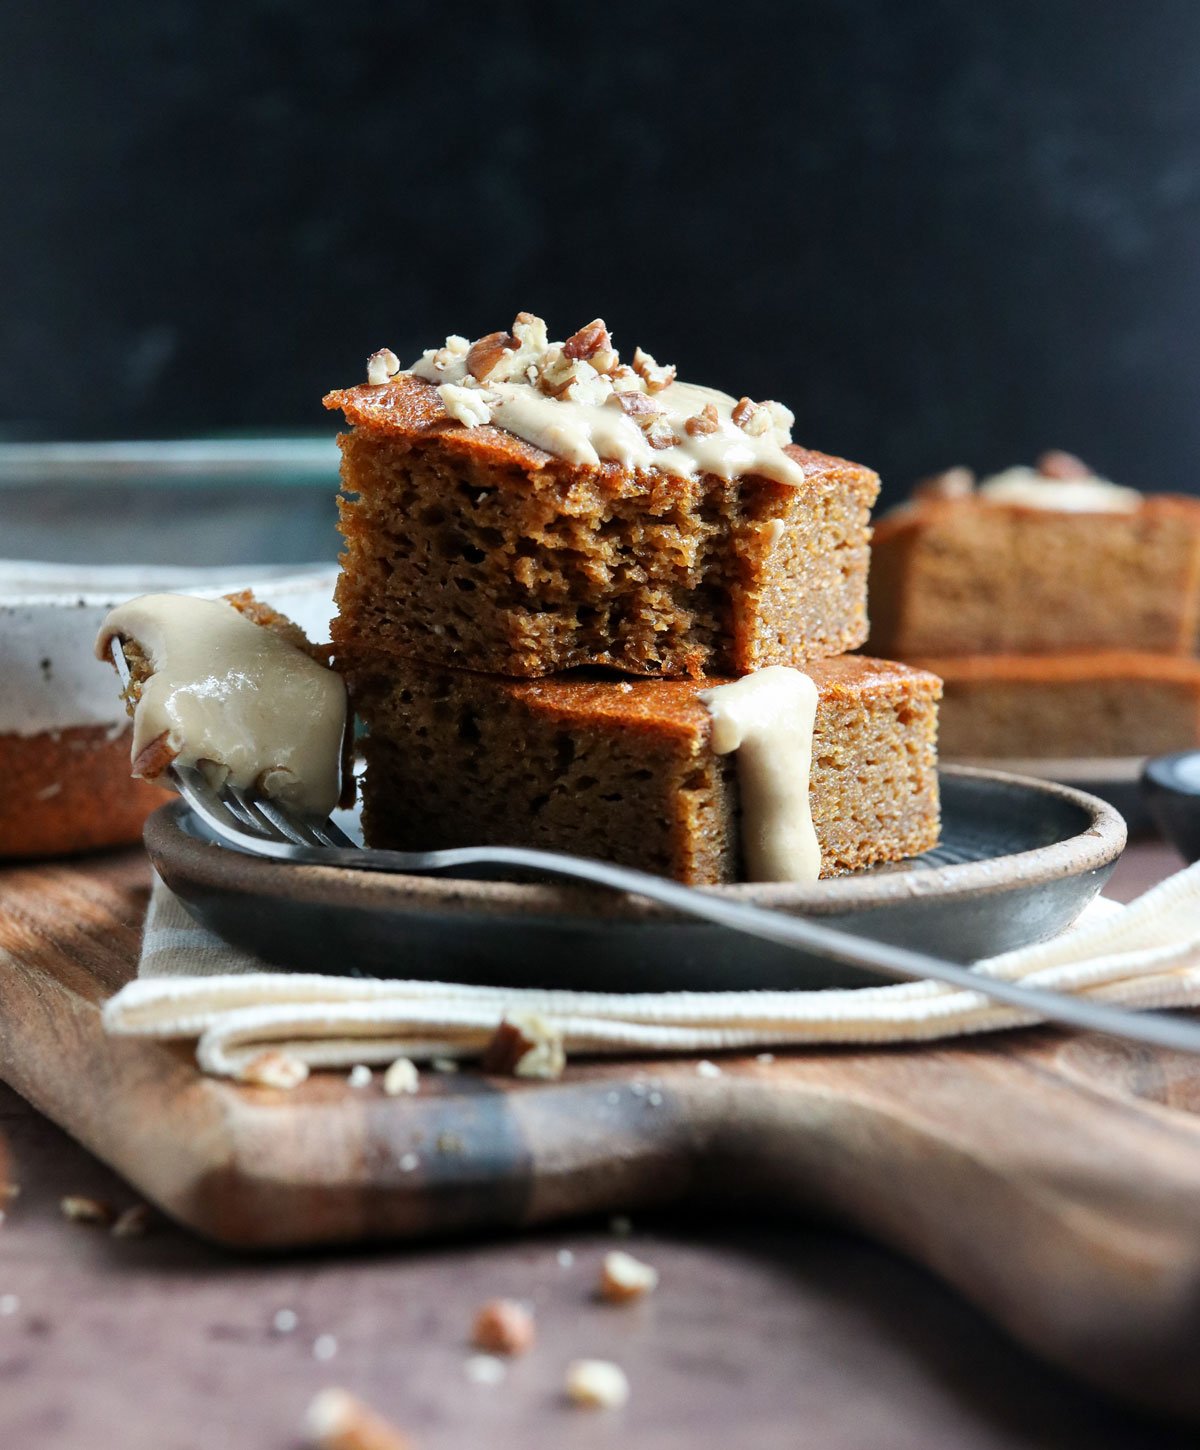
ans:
(624, 1278)
(597, 1384)
(81, 1209)
(336, 1420)
(503, 1326)
(526, 1046)
(274, 1069)
(133, 1222)
(401, 1077)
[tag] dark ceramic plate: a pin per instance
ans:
(1114, 778)
(1019, 861)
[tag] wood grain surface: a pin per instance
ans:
(1053, 1181)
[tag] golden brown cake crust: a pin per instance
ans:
(469, 547)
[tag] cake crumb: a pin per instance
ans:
(624, 1278)
(765, 1057)
(275, 1070)
(9, 1304)
(402, 1077)
(565, 1258)
(359, 1075)
(485, 1369)
(409, 1163)
(596, 1384)
(704, 1068)
(80, 1209)
(285, 1321)
(336, 1420)
(503, 1326)
(325, 1346)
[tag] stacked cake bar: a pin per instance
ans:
(1061, 610)
(558, 564)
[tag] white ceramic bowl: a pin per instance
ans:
(64, 733)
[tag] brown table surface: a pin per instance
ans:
(761, 1334)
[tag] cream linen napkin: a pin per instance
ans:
(190, 984)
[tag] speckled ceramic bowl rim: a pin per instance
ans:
(182, 856)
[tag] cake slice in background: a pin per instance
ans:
(626, 770)
(1035, 562)
(524, 507)
(1114, 703)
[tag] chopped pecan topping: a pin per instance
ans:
(555, 372)
(588, 341)
(382, 366)
(1063, 466)
(753, 418)
(487, 352)
(706, 420)
(530, 331)
(637, 405)
(659, 433)
(656, 376)
(625, 380)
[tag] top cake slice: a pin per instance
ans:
(522, 507)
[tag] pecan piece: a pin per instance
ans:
(525, 1046)
(588, 340)
(659, 433)
(707, 420)
(502, 1326)
(636, 405)
(487, 351)
(337, 1421)
(382, 366)
(957, 482)
(1063, 466)
(656, 376)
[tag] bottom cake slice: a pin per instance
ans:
(626, 770)
(1106, 703)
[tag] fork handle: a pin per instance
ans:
(775, 926)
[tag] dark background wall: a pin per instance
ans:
(942, 230)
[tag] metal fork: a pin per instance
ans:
(259, 826)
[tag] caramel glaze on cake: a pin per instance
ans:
(966, 576)
(1111, 703)
(469, 546)
(625, 770)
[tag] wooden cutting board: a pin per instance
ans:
(1053, 1180)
